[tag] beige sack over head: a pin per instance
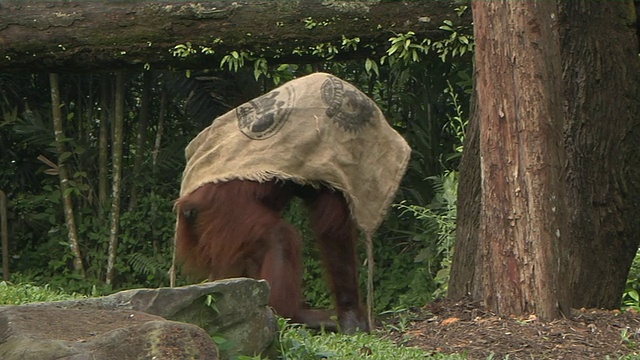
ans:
(314, 130)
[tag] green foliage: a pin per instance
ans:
(458, 122)
(627, 357)
(144, 251)
(316, 291)
(412, 264)
(234, 60)
(401, 318)
(18, 294)
(457, 44)
(350, 44)
(40, 250)
(628, 338)
(183, 50)
(421, 85)
(210, 301)
(420, 272)
(631, 297)
(436, 222)
(398, 280)
(297, 342)
(406, 48)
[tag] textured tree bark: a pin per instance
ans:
(463, 266)
(63, 174)
(4, 235)
(116, 189)
(103, 143)
(600, 83)
(518, 84)
(81, 35)
(141, 138)
(601, 70)
(159, 131)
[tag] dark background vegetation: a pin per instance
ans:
(422, 86)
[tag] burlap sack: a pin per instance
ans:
(313, 130)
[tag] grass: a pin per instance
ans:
(18, 294)
(297, 342)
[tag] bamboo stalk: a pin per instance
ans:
(64, 175)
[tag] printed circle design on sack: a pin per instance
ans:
(348, 108)
(264, 116)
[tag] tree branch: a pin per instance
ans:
(88, 35)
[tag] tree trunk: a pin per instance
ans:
(518, 84)
(103, 150)
(4, 235)
(601, 71)
(156, 151)
(463, 266)
(118, 135)
(159, 132)
(84, 35)
(64, 175)
(141, 139)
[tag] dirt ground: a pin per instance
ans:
(462, 327)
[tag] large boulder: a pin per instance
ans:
(165, 323)
(32, 333)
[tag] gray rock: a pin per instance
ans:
(41, 333)
(235, 309)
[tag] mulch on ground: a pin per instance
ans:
(465, 328)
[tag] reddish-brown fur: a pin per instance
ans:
(235, 229)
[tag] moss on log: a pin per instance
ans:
(89, 35)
